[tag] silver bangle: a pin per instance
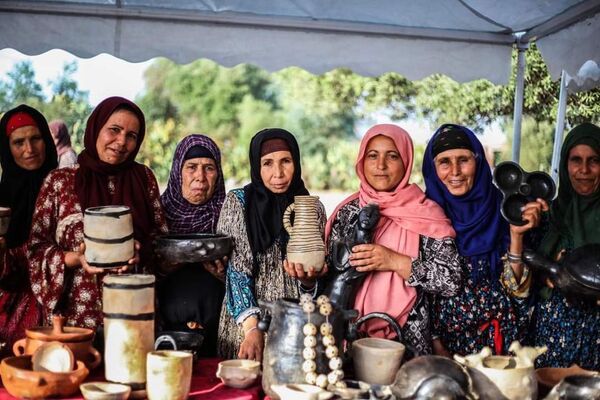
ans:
(514, 258)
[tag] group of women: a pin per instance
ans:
(444, 263)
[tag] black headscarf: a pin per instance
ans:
(264, 211)
(19, 187)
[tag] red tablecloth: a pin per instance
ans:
(205, 385)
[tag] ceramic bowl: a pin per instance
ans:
(238, 373)
(4, 220)
(519, 188)
(301, 391)
(550, 377)
(377, 360)
(53, 357)
(179, 340)
(104, 391)
(21, 381)
(192, 248)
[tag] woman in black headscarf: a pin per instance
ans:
(253, 217)
(27, 155)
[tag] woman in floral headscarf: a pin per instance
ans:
(107, 174)
(414, 251)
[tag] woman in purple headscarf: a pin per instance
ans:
(491, 309)
(190, 298)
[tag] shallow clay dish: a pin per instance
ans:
(21, 381)
(104, 391)
(53, 357)
(192, 248)
(238, 373)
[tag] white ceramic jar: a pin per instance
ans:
(108, 236)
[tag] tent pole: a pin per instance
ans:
(560, 125)
(518, 109)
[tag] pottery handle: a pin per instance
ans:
(97, 358)
(19, 347)
(286, 218)
(165, 339)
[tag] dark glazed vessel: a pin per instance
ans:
(177, 249)
(576, 387)
(519, 188)
(577, 274)
(179, 340)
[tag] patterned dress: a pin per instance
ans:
(437, 270)
(481, 313)
(19, 309)
(250, 280)
(58, 227)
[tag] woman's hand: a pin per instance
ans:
(375, 257)
(532, 214)
(119, 270)
(307, 278)
(254, 341)
(216, 268)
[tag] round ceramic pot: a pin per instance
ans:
(108, 236)
(169, 375)
(376, 360)
(4, 220)
(78, 340)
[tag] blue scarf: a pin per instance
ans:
(481, 232)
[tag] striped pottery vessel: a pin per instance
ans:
(306, 244)
(108, 236)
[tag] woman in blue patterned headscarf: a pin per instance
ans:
(484, 313)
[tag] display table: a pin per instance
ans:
(205, 385)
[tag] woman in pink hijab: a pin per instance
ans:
(62, 140)
(413, 251)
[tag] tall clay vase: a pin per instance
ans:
(306, 244)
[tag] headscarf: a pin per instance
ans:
(182, 216)
(130, 178)
(481, 232)
(574, 219)
(19, 188)
(405, 215)
(264, 210)
(60, 132)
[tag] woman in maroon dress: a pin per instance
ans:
(106, 174)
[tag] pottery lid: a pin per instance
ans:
(59, 332)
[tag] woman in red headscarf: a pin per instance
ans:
(27, 155)
(106, 174)
(413, 251)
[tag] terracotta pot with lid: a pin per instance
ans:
(79, 340)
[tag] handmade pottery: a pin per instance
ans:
(305, 245)
(519, 188)
(549, 377)
(299, 391)
(179, 340)
(108, 236)
(104, 391)
(4, 220)
(169, 375)
(79, 341)
(514, 376)
(576, 387)
(376, 360)
(21, 381)
(128, 305)
(53, 357)
(238, 373)
(176, 249)
(576, 274)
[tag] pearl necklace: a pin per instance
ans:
(309, 366)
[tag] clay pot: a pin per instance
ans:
(549, 377)
(169, 375)
(108, 236)
(238, 373)
(21, 381)
(176, 249)
(78, 340)
(377, 360)
(4, 220)
(128, 305)
(306, 244)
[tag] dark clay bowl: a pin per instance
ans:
(179, 340)
(519, 188)
(192, 248)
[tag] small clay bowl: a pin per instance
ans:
(53, 357)
(239, 374)
(192, 248)
(21, 381)
(104, 391)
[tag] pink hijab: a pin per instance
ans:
(405, 214)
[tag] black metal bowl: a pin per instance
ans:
(192, 248)
(179, 340)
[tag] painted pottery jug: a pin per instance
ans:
(514, 376)
(305, 245)
(4, 220)
(108, 236)
(128, 305)
(169, 375)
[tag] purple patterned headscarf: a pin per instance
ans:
(182, 216)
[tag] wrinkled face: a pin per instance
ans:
(27, 147)
(583, 166)
(118, 137)
(383, 167)
(277, 171)
(456, 169)
(199, 179)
